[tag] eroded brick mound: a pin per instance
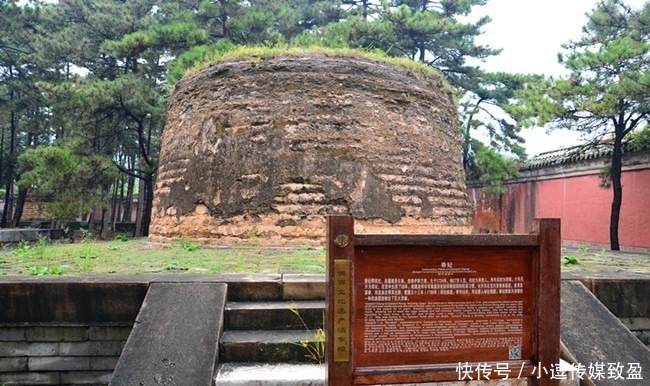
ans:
(261, 150)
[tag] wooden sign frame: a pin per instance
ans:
(363, 266)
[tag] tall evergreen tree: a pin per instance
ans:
(607, 95)
(21, 105)
(435, 33)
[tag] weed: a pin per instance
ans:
(22, 248)
(190, 245)
(583, 249)
(601, 254)
(304, 248)
(45, 270)
(121, 238)
(315, 343)
(86, 235)
(89, 251)
(570, 260)
(174, 266)
(25, 249)
(84, 264)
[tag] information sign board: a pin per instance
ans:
(423, 308)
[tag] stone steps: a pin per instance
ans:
(275, 315)
(263, 338)
(271, 346)
(267, 374)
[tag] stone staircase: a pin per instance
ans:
(264, 331)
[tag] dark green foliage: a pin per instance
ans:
(607, 94)
(73, 178)
(491, 168)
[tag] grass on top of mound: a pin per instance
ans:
(202, 57)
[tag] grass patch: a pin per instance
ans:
(140, 256)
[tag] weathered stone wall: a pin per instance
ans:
(261, 150)
(65, 332)
(60, 353)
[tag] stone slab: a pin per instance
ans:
(624, 298)
(13, 364)
(303, 287)
(637, 324)
(270, 374)
(18, 235)
(254, 287)
(175, 338)
(591, 335)
(264, 346)
(69, 300)
(275, 315)
(58, 363)
(30, 378)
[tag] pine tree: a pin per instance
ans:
(607, 95)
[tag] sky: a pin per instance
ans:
(531, 33)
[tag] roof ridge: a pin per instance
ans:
(578, 153)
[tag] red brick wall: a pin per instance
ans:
(579, 201)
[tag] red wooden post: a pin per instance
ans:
(548, 297)
(340, 254)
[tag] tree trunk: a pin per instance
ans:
(145, 201)
(147, 204)
(617, 188)
(10, 171)
(2, 151)
(115, 205)
(466, 143)
(103, 231)
(91, 222)
(223, 18)
(6, 210)
(127, 215)
(139, 212)
(20, 205)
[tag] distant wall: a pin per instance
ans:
(572, 193)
